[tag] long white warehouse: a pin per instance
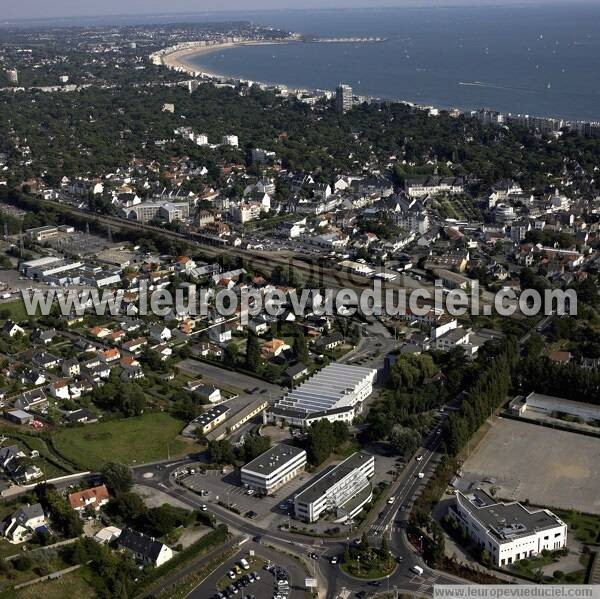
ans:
(334, 393)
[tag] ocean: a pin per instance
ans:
(542, 61)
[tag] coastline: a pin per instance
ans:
(177, 59)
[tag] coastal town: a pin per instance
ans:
(297, 452)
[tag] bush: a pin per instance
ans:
(23, 563)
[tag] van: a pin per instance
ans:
(421, 475)
(417, 570)
(244, 564)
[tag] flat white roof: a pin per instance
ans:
(327, 388)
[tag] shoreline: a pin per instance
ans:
(176, 59)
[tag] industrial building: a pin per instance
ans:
(206, 422)
(343, 490)
(274, 468)
(236, 420)
(334, 393)
(509, 532)
(547, 405)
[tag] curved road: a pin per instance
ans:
(331, 577)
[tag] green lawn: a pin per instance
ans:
(585, 526)
(13, 311)
(73, 584)
(147, 438)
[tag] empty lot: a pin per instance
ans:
(546, 466)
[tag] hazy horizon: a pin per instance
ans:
(41, 9)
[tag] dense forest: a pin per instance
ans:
(95, 131)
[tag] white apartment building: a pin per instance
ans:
(230, 140)
(274, 468)
(509, 532)
(343, 490)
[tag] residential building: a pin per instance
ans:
(11, 329)
(509, 532)
(344, 99)
(274, 468)
(342, 490)
(89, 499)
(23, 523)
(145, 549)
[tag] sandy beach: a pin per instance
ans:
(178, 59)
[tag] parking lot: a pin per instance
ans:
(228, 489)
(546, 466)
(268, 564)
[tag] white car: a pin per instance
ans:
(391, 500)
(419, 458)
(334, 560)
(250, 492)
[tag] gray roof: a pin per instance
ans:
(140, 544)
(273, 458)
(331, 476)
(26, 513)
(506, 521)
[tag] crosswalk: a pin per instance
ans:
(425, 584)
(379, 529)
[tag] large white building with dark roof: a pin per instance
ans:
(509, 532)
(274, 468)
(334, 393)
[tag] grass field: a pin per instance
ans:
(148, 438)
(69, 585)
(13, 311)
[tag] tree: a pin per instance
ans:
(230, 355)
(300, 347)
(220, 452)
(252, 353)
(127, 506)
(254, 445)
(364, 542)
(118, 477)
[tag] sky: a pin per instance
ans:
(41, 9)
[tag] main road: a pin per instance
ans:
(332, 579)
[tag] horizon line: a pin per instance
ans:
(412, 4)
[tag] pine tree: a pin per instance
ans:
(300, 348)
(252, 353)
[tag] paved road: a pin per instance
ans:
(330, 577)
(231, 378)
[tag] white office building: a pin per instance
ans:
(335, 393)
(274, 468)
(509, 532)
(343, 490)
